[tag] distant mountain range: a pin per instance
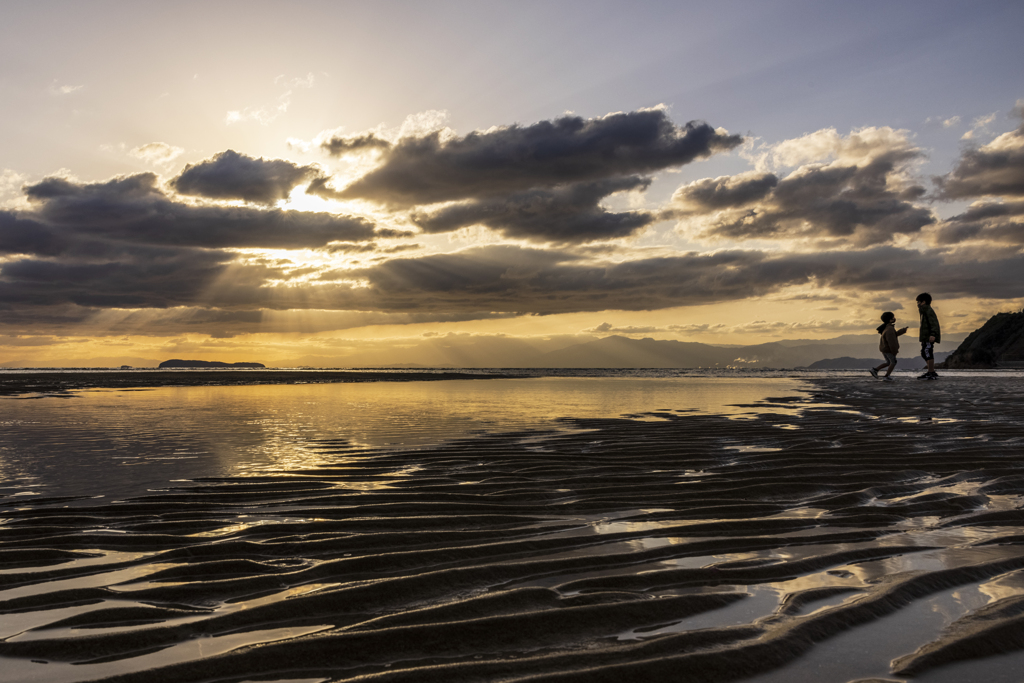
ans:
(623, 352)
(486, 351)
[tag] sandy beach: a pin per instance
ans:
(863, 531)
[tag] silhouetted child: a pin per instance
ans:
(929, 333)
(889, 344)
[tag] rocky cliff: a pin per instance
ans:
(999, 341)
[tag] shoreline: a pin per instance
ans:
(53, 382)
(62, 383)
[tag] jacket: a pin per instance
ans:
(890, 342)
(929, 325)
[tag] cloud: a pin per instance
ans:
(859, 148)
(340, 146)
(608, 328)
(726, 192)
(10, 181)
(780, 328)
(437, 168)
(701, 328)
(936, 121)
(125, 244)
(264, 115)
(267, 114)
(979, 126)
(306, 81)
(989, 221)
(145, 278)
(156, 153)
(544, 182)
(133, 248)
(368, 247)
(432, 121)
(565, 214)
(507, 278)
(230, 175)
(64, 89)
(479, 283)
(995, 169)
(132, 211)
(861, 197)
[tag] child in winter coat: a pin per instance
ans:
(889, 344)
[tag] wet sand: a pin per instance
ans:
(867, 531)
(43, 382)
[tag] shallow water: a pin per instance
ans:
(117, 443)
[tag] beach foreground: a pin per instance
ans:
(867, 531)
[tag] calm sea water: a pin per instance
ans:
(117, 443)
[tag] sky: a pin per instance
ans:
(338, 184)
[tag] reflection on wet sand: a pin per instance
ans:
(821, 538)
(116, 443)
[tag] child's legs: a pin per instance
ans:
(928, 353)
(891, 358)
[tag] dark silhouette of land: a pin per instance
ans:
(176, 363)
(997, 343)
(847, 352)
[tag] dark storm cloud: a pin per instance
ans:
(22, 236)
(493, 280)
(230, 175)
(727, 191)
(54, 319)
(125, 244)
(999, 222)
(431, 169)
(996, 169)
(134, 210)
(151, 279)
(506, 278)
(567, 214)
(846, 203)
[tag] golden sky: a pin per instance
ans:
(456, 183)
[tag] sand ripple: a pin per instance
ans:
(868, 531)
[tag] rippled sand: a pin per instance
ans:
(868, 532)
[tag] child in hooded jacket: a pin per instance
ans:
(889, 344)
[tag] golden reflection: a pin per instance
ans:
(250, 430)
(1006, 586)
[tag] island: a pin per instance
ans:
(176, 363)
